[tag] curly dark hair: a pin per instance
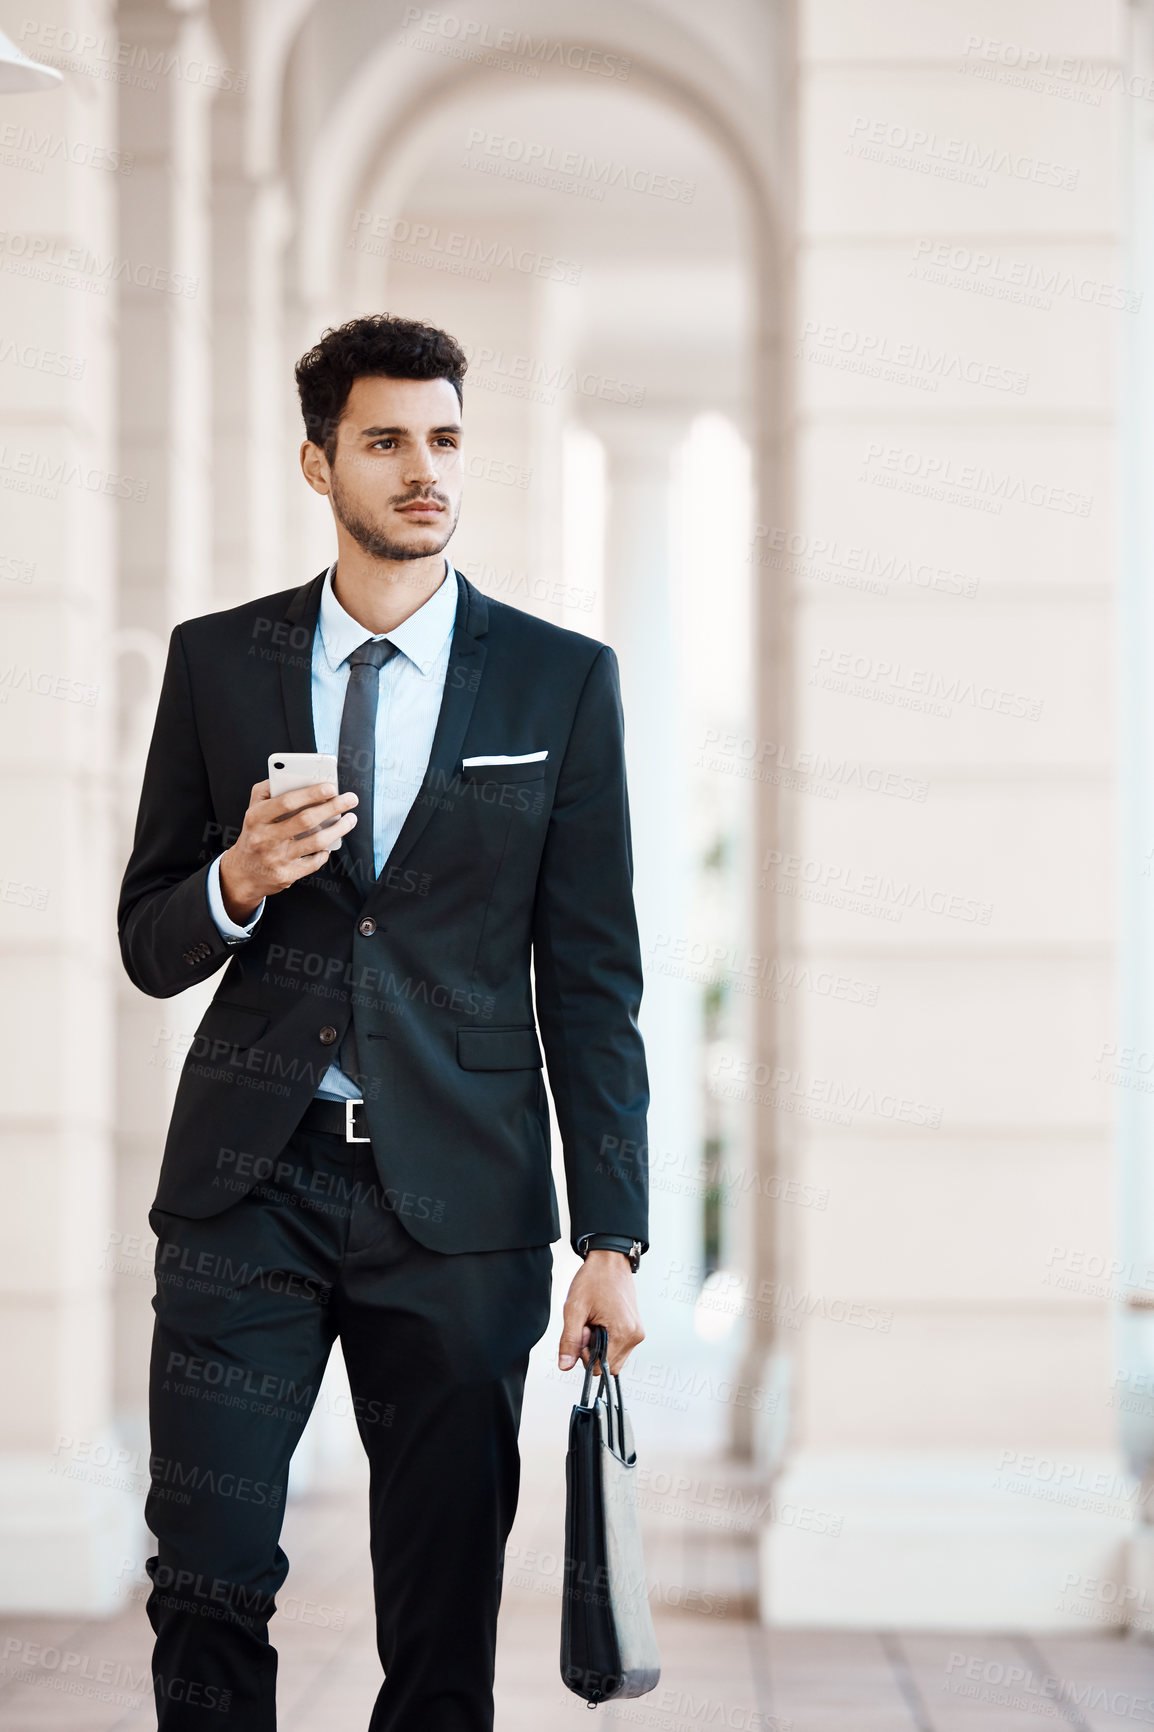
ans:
(377, 344)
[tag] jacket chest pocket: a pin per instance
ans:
(528, 770)
(488, 788)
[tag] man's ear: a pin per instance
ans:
(315, 468)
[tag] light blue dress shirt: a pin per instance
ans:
(412, 684)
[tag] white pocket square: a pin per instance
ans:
(504, 758)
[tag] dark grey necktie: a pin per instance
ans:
(356, 766)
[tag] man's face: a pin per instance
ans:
(395, 479)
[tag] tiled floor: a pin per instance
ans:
(720, 1669)
(717, 1671)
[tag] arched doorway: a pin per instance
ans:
(602, 248)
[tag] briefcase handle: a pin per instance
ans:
(609, 1383)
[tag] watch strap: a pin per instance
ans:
(630, 1248)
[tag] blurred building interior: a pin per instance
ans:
(812, 367)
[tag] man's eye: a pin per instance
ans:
(377, 443)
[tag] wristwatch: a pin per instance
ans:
(631, 1248)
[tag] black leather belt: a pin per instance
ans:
(344, 1119)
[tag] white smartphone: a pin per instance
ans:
(289, 770)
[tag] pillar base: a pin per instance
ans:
(66, 1546)
(935, 1542)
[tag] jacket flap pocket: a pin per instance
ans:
(503, 772)
(235, 1023)
(498, 1048)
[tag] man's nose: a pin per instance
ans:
(422, 471)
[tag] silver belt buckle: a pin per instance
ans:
(349, 1137)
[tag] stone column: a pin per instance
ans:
(250, 221)
(62, 1533)
(947, 1315)
(167, 435)
(1131, 1059)
(639, 624)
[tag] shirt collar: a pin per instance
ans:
(421, 637)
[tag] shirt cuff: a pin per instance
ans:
(226, 927)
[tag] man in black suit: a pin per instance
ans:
(359, 1145)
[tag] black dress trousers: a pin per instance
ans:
(248, 1303)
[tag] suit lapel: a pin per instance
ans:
(462, 682)
(296, 679)
(296, 665)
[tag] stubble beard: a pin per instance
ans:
(373, 540)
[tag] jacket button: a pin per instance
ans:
(327, 1035)
(367, 926)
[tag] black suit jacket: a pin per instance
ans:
(492, 866)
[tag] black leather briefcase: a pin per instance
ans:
(608, 1649)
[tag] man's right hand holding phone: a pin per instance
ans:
(281, 840)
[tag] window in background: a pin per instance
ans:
(583, 507)
(712, 531)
